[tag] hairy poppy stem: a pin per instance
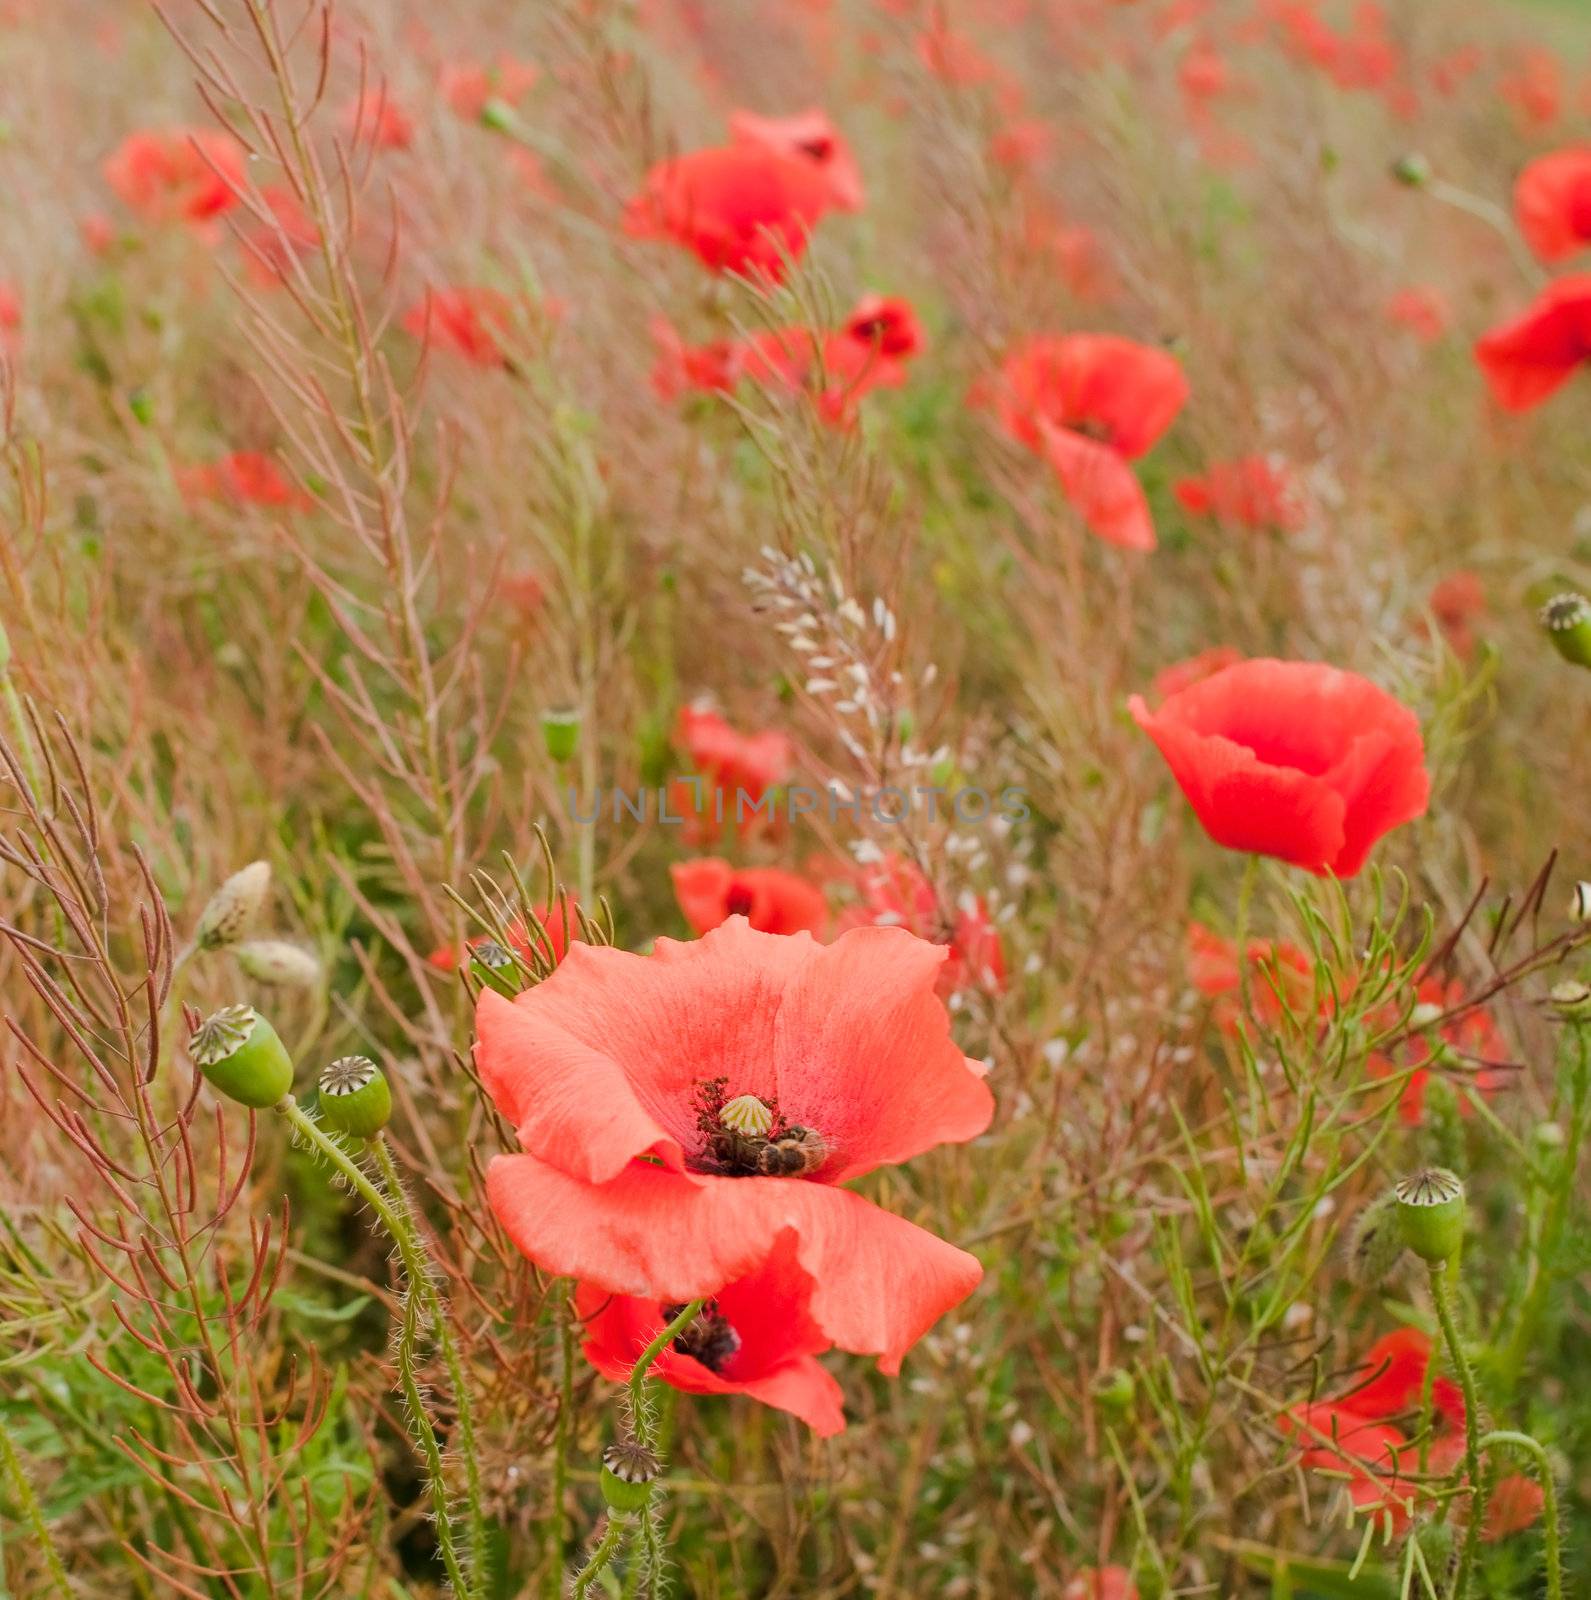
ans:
(1466, 1380)
(1549, 1501)
(639, 1415)
(419, 1299)
(606, 1550)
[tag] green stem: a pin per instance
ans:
(32, 1512)
(1549, 1502)
(612, 1538)
(560, 1444)
(463, 1404)
(418, 1288)
(1466, 1381)
(640, 1416)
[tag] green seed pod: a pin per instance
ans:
(233, 907)
(1413, 171)
(1377, 1243)
(495, 967)
(628, 1472)
(355, 1097)
(746, 1114)
(560, 732)
(497, 115)
(1115, 1390)
(239, 1052)
(1567, 619)
(278, 963)
(1571, 999)
(1431, 1214)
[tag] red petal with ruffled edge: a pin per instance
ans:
(1099, 482)
(1293, 759)
(879, 1282)
(602, 1062)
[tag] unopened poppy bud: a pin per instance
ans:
(1412, 170)
(1571, 998)
(1438, 1546)
(1549, 1136)
(1567, 619)
(628, 1472)
(1115, 1390)
(1377, 1242)
(234, 906)
(276, 962)
(239, 1052)
(1580, 902)
(1424, 1014)
(560, 731)
(746, 1114)
(1431, 1214)
(355, 1097)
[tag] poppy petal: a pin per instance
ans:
(1098, 481)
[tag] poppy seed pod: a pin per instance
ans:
(498, 115)
(1431, 1214)
(240, 1054)
(560, 732)
(355, 1097)
(628, 1472)
(233, 907)
(746, 1114)
(1567, 619)
(1571, 999)
(278, 963)
(1115, 1390)
(494, 966)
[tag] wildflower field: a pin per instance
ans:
(794, 799)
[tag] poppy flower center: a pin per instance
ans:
(1093, 428)
(739, 901)
(818, 147)
(710, 1339)
(746, 1137)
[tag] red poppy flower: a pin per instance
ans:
(376, 119)
(754, 762)
(1352, 1434)
(1552, 204)
(1281, 977)
(620, 1073)
(1529, 359)
(1203, 74)
(1516, 1504)
(1534, 87)
(246, 477)
(1423, 311)
(1471, 1043)
(1293, 759)
(893, 893)
(1252, 492)
(756, 1337)
(710, 892)
(177, 174)
(886, 324)
(1171, 680)
(682, 368)
(809, 137)
(1089, 403)
(10, 316)
(1101, 1583)
(473, 322)
(743, 209)
(1456, 602)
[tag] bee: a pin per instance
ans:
(795, 1152)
